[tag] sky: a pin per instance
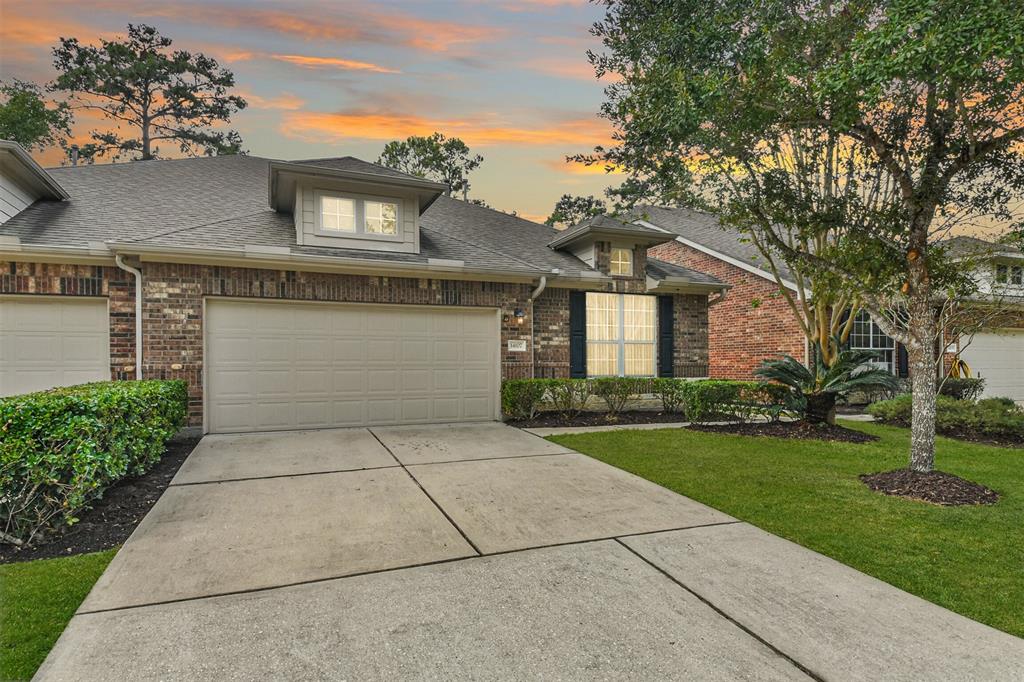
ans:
(334, 78)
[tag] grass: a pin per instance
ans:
(37, 599)
(967, 559)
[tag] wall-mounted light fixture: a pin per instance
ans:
(520, 315)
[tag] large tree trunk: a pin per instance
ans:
(821, 408)
(921, 357)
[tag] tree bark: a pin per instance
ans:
(921, 357)
(821, 408)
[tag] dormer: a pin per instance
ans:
(347, 203)
(611, 246)
(23, 181)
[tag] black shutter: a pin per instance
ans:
(578, 334)
(666, 336)
(902, 361)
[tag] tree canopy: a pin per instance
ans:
(436, 157)
(570, 210)
(26, 119)
(887, 123)
(151, 93)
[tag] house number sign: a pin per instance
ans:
(516, 346)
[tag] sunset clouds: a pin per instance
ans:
(344, 77)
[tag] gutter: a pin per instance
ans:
(119, 260)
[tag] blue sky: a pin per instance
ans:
(332, 78)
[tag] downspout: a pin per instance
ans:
(721, 297)
(119, 260)
(541, 285)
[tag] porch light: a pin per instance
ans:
(520, 315)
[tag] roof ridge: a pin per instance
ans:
(131, 162)
(478, 246)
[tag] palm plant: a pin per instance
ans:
(821, 386)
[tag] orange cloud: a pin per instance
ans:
(311, 62)
(334, 127)
(285, 101)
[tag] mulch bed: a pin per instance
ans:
(936, 487)
(796, 429)
(555, 419)
(114, 516)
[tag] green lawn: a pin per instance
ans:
(968, 559)
(37, 599)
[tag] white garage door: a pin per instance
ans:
(998, 358)
(50, 341)
(277, 366)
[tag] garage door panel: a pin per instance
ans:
(373, 365)
(50, 341)
(998, 358)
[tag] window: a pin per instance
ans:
(337, 214)
(1010, 274)
(349, 215)
(622, 262)
(621, 335)
(866, 335)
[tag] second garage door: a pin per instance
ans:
(998, 358)
(276, 366)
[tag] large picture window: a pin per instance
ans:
(339, 216)
(866, 335)
(622, 334)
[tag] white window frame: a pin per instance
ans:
(876, 341)
(360, 221)
(612, 262)
(621, 341)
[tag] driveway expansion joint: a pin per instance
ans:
(779, 652)
(296, 475)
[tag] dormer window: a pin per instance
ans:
(621, 262)
(356, 216)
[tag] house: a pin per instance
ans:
(754, 322)
(321, 292)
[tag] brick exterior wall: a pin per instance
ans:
(751, 324)
(173, 311)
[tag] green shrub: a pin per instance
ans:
(962, 389)
(60, 449)
(996, 418)
(616, 391)
(569, 396)
(522, 398)
(672, 393)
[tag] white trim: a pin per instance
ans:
(721, 256)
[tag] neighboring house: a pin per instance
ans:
(318, 293)
(754, 322)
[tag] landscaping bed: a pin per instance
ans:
(993, 421)
(793, 429)
(936, 487)
(557, 419)
(113, 517)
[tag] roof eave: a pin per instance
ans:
(42, 181)
(595, 233)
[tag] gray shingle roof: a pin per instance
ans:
(963, 245)
(705, 229)
(221, 202)
(603, 223)
(351, 163)
(659, 269)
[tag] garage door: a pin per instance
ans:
(998, 358)
(47, 342)
(277, 366)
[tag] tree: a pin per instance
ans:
(157, 93)
(26, 119)
(920, 102)
(435, 157)
(570, 210)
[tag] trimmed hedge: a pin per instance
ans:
(62, 448)
(695, 400)
(969, 388)
(995, 418)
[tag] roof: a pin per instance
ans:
(605, 225)
(706, 230)
(963, 246)
(662, 270)
(220, 203)
(30, 172)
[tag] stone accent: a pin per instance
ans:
(173, 296)
(754, 322)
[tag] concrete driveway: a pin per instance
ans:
(482, 551)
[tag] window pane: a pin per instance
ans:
(602, 359)
(337, 214)
(602, 317)
(389, 218)
(621, 262)
(638, 318)
(381, 218)
(639, 359)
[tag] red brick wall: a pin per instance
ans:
(751, 324)
(173, 311)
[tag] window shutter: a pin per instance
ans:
(666, 336)
(902, 361)
(578, 334)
